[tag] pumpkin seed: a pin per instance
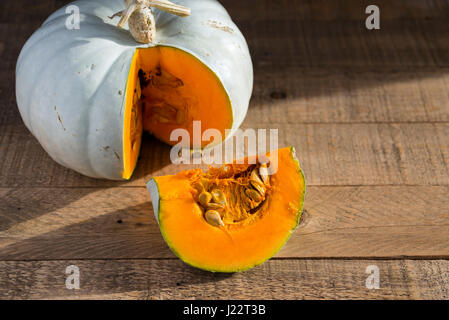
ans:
(259, 186)
(214, 206)
(255, 176)
(246, 202)
(218, 196)
(254, 195)
(204, 198)
(213, 218)
(205, 183)
(263, 172)
(198, 186)
(243, 200)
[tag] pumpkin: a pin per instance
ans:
(230, 218)
(87, 94)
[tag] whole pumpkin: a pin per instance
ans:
(87, 93)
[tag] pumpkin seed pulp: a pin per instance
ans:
(237, 198)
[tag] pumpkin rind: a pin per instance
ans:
(71, 84)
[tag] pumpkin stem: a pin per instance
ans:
(142, 24)
(170, 7)
(126, 14)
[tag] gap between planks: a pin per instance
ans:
(275, 258)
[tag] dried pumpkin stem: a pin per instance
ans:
(141, 20)
(126, 14)
(170, 7)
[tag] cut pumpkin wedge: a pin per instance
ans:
(231, 218)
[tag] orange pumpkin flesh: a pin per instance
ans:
(176, 89)
(235, 246)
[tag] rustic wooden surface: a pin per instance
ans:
(368, 113)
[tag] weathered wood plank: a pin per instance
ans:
(275, 279)
(399, 43)
(372, 154)
(323, 10)
(318, 33)
(326, 34)
(330, 154)
(330, 95)
(118, 223)
(289, 36)
(23, 162)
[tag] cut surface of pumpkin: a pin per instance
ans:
(168, 89)
(230, 218)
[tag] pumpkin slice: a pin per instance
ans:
(168, 89)
(230, 218)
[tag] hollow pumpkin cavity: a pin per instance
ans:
(168, 89)
(229, 218)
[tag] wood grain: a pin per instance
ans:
(296, 43)
(330, 154)
(328, 95)
(374, 154)
(91, 223)
(350, 10)
(368, 113)
(333, 95)
(318, 33)
(276, 279)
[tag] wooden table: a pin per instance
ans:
(366, 110)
